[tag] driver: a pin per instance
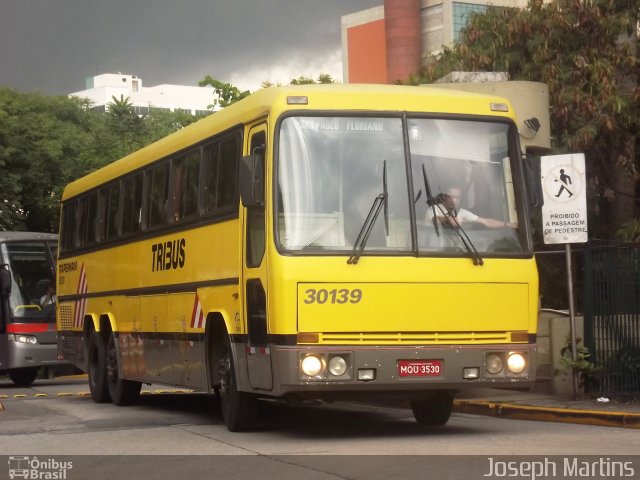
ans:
(49, 298)
(449, 202)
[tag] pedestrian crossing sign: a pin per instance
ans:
(564, 213)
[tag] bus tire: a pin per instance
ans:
(97, 368)
(23, 377)
(122, 392)
(434, 411)
(239, 409)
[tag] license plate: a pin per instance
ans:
(419, 368)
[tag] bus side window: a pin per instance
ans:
(67, 225)
(228, 172)
(256, 241)
(132, 204)
(101, 218)
(157, 195)
(185, 174)
(80, 231)
(211, 172)
(112, 211)
(93, 221)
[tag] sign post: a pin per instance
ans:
(564, 217)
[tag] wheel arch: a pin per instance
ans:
(216, 329)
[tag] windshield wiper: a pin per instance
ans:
(430, 201)
(382, 200)
(466, 241)
(435, 202)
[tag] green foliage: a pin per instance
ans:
(322, 78)
(227, 93)
(160, 123)
(124, 122)
(582, 366)
(586, 52)
(630, 231)
(47, 142)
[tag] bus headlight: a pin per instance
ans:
(311, 365)
(516, 363)
(494, 364)
(337, 366)
(30, 339)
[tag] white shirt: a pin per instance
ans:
(466, 215)
(48, 300)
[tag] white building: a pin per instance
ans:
(101, 90)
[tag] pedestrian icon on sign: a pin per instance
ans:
(566, 180)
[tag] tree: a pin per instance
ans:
(322, 78)
(227, 93)
(586, 52)
(160, 123)
(126, 124)
(45, 142)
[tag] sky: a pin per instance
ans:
(51, 46)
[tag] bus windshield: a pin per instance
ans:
(331, 170)
(33, 280)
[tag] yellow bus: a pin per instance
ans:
(324, 241)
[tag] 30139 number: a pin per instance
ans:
(340, 296)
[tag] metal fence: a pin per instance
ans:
(612, 319)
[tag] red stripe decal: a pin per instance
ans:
(27, 327)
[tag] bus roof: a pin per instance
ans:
(26, 236)
(356, 98)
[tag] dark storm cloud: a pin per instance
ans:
(52, 45)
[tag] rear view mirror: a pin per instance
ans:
(532, 179)
(252, 179)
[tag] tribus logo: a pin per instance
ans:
(36, 469)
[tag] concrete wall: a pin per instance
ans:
(553, 332)
(529, 100)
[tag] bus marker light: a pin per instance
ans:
(366, 374)
(520, 336)
(306, 337)
(470, 373)
(499, 107)
(297, 100)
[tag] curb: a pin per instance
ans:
(548, 414)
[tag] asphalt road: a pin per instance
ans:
(58, 418)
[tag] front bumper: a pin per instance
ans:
(384, 361)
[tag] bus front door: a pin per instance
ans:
(254, 273)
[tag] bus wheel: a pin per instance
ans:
(435, 411)
(122, 392)
(23, 377)
(97, 363)
(239, 409)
